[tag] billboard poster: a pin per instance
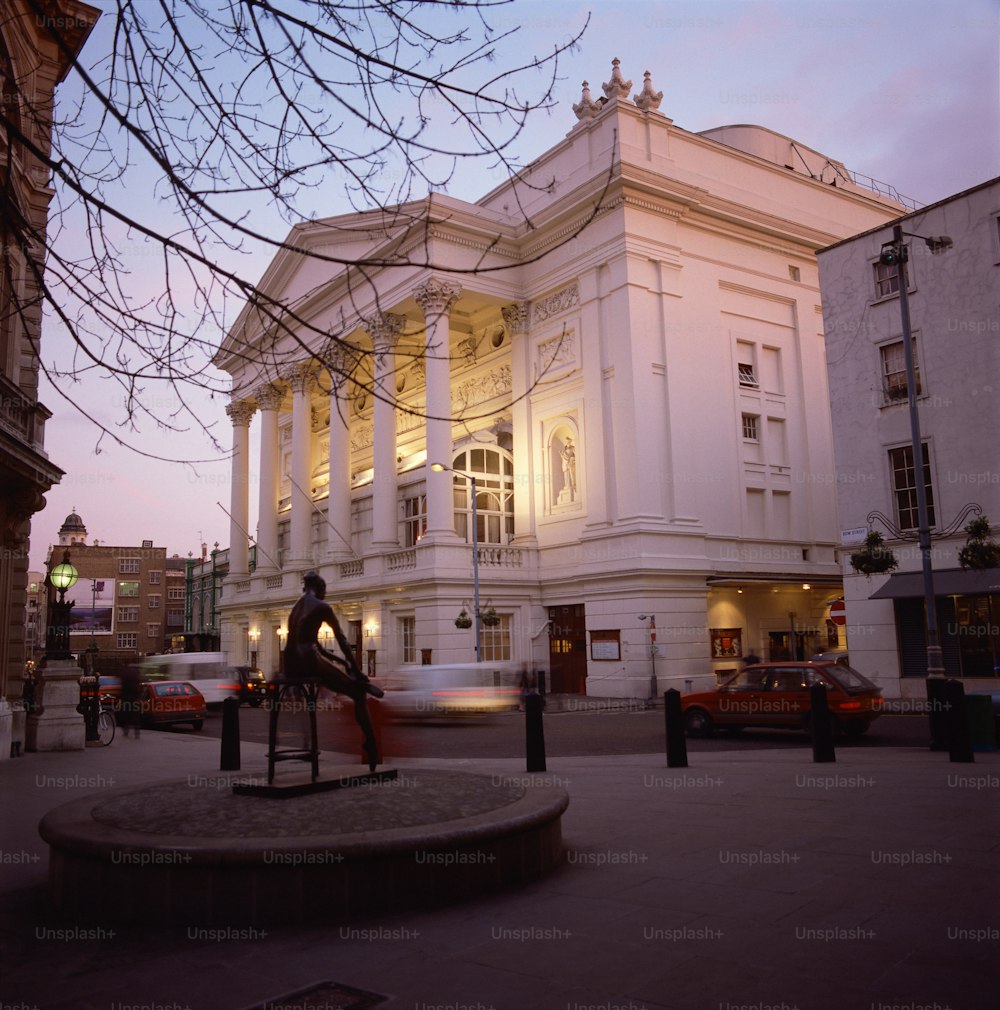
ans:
(93, 606)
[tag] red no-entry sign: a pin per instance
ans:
(838, 612)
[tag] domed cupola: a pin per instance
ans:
(72, 531)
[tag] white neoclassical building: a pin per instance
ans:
(628, 357)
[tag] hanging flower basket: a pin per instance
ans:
(490, 618)
(463, 620)
(874, 558)
(980, 550)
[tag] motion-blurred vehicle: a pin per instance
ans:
(450, 690)
(833, 656)
(206, 670)
(776, 696)
(167, 702)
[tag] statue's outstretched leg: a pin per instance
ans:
(339, 680)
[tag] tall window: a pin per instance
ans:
(154, 578)
(408, 638)
(904, 486)
(887, 278)
(153, 601)
(495, 642)
(494, 473)
(894, 370)
(750, 431)
(414, 520)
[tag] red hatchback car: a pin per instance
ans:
(776, 696)
(165, 702)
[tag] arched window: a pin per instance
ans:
(494, 473)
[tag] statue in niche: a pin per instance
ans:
(568, 456)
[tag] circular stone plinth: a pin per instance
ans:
(190, 851)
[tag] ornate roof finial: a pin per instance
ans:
(648, 100)
(586, 108)
(617, 87)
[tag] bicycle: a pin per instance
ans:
(106, 724)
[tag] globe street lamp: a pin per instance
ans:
(440, 468)
(61, 577)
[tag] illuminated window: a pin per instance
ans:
(494, 473)
(495, 642)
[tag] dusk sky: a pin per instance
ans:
(905, 92)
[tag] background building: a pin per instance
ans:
(31, 66)
(954, 305)
(127, 603)
(637, 382)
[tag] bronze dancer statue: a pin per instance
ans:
(305, 657)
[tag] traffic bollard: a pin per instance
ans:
(677, 756)
(821, 725)
(534, 733)
(230, 751)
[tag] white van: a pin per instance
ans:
(208, 671)
(451, 690)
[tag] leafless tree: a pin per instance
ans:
(193, 133)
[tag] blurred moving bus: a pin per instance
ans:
(451, 690)
(208, 672)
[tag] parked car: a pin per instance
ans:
(253, 684)
(110, 689)
(833, 656)
(450, 690)
(166, 702)
(776, 696)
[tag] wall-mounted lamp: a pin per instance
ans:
(371, 629)
(805, 585)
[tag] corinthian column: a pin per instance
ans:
(300, 378)
(269, 398)
(436, 297)
(384, 330)
(341, 361)
(240, 412)
(516, 317)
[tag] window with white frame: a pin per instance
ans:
(494, 473)
(127, 640)
(414, 519)
(175, 592)
(746, 364)
(128, 566)
(154, 578)
(128, 615)
(495, 642)
(126, 589)
(408, 638)
(750, 427)
(153, 601)
(152, 631)
(887, 278)
(904, 486)
(894, 370)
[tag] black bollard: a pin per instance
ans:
(230, 755)
(959, 738)
(821, 725)
(937, 712)
(534, 733)
(677, 754)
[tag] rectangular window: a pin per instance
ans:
(127, 640)
(154, 578)
(175, 617)
(495, 642)
(128, 566)
(408, 636)
(153, 601)
(175, 593)
(152, 631)
(128, 589)
(414, 520)
(894, 370)
(747, 375)
(887, 278)
(904, 486)
(128, 615)
(746, 364)
(750, 427)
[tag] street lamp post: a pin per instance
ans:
(439, 468)
(895, 253)
(61, 577)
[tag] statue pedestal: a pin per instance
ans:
(56, 725)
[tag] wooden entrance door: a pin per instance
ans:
(568, 649)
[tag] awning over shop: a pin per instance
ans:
(947, 582)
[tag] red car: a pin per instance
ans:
(165, 702)
(776, 696)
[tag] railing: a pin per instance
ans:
(500, 557)
(401, 560)
(273, 581)
(352, 569)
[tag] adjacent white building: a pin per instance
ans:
(636, 379)
(954, 306)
